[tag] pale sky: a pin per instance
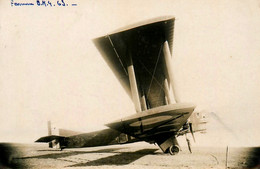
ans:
(51, 70)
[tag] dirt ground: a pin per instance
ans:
(128, 156)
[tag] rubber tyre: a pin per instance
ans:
(174, 149)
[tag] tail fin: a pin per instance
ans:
(57, 141)
(49, 133)
(49, 128)
(54, 141)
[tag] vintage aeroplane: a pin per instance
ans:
(140, 57)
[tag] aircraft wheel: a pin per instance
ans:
(174, 149)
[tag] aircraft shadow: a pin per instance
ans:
(122, 158)
(57, 150)
(63, 154)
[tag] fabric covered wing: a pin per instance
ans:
(161, 120)
(144, 43)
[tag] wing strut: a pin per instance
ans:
(167, 56)
(167, 92)
(133, 84)
(159, 54)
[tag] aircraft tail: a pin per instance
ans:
(56, 141)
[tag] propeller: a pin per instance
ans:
(191, 131)
(188, 128)
(188, 142)
(189, 125)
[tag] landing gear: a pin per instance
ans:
(174, 149)
(169, 145)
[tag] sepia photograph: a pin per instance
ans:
(130, 83)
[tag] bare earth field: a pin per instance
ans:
(127, 156)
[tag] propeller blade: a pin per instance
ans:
(191, 130)
(188, 142)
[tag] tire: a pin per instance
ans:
(174, 149)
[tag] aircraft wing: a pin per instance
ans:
(144, 42)
(147, 125)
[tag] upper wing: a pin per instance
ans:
(144, 42)
(148, 124)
